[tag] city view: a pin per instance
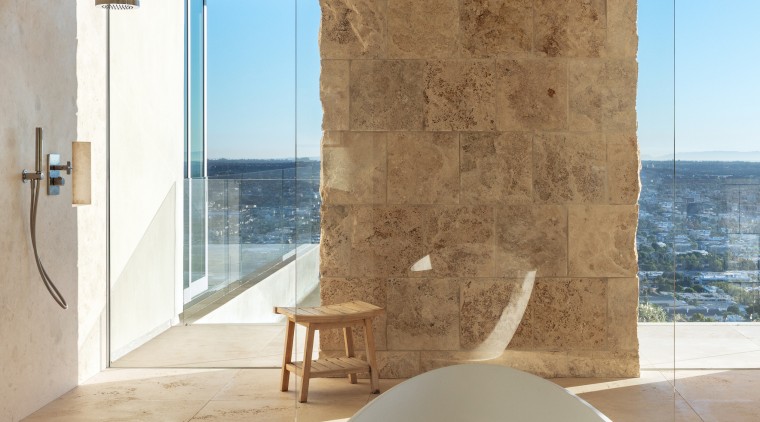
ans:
(698, 241)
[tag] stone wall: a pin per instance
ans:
(494, 137)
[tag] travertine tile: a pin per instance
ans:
(338, 290)
(622, 38)
(568, 314)
(482, 303)
(623, 184)
(421, 29)
(493, 28)
(335, 243)
(423, 314)
(352, 29)
(460, 242)
(114, 410)
(423, 168)
(333, 91)
(353, 170)
(620, 105)
(569, 168)
(398, 364)
(386, 241)
(386, 95)
(622, 302)
(531, 237)
(496, 168)
(460, 95)
(434, 359)
(570, 28)
(532, 95)
(601, 241)
(603, 94)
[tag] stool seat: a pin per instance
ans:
(341, 315)
(341, 312)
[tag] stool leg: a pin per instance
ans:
(288, 355)
(369, 344)
(307, 363)
(349, 340)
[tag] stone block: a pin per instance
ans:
(570, 28)
(460, 95)
(386, 95)
(496, 168)
(434, 359)
(353, 170)
(482, 303)
(601, 241)
(531, 237)
(395, 364)
(338, 290)
(622, 302)
(603, 95)
(423, 29)
(532, 95)
(567, 314)
(569, 168)
(460, 242)
(496, 28)
(423, 314)
(333, 91)
(386, 241)
(352, 29)
(423, 168)
(335, 243)
(623, 184)
(622, 38)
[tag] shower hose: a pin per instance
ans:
(57, 296)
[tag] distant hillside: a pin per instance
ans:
(271, 168)
(749, 156)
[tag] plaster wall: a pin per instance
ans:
(495, 137)
(147, 121)
(91, 219)
(38, 340)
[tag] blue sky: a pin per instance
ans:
(251, 101)
(251, 79)
(716, 83)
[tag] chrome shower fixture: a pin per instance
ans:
(118, 4)
(54, 182)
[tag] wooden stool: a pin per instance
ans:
(342, 315)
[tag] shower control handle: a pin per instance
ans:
(67, 167)
(57, 181)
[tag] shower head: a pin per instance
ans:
(118, 4)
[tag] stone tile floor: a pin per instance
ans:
(227, 394)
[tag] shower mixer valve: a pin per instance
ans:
(54, 167)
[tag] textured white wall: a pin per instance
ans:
(38, 340)
(91, 219)
(147, 97)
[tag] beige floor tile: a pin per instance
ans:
(153, 384)
(98, 410)
(217, 346)
(722, 411)
(246, 411)
(719, 385)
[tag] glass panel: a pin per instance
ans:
(718, 184)
(657, 229)
(196, 80)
